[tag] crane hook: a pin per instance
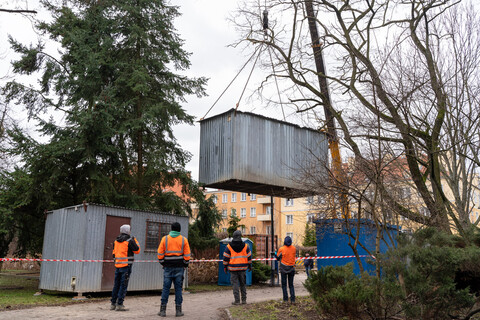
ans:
(265, 21)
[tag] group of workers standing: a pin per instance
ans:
(174, 255)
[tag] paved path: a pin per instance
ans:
(200, 306)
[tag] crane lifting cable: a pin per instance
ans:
(248, 79)
(231, 82)
(276, 84)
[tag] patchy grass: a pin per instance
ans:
(277, 310)
(17, 291)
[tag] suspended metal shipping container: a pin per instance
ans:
(245, 152)
(87, 232)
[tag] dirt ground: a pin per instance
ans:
(202, 306)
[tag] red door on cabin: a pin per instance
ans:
(112, 230)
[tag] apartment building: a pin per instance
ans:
(290, 215)
(252, 209)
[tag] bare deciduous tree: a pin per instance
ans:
(403, 78)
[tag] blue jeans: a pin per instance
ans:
(290, 286)
(122, 275)
(174, 275)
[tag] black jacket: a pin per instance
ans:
(132, 245)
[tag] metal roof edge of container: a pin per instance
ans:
(116, 207)
(261, 116)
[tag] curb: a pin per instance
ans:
(228, 314)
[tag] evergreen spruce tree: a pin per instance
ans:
(116, 82)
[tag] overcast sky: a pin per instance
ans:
(207, 33)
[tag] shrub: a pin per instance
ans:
(427, 265)
(339, 293)
(425, 277)
(260, 272)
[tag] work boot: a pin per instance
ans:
(113, 306)
(236, 303)
(178, 309)
(163, 310)
(121, 307)
(244, 301)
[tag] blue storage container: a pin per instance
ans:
(332, 240)
(224, 278)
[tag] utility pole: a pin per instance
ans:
(329, 118)
(272, 232)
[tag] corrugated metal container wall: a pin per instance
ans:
(264, 154)
(73, 233)
(333, 240)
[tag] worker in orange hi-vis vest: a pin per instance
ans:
(124, 247)
(173, 255)
(237, 258)
(286, 255)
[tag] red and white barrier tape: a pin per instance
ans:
(197, 260)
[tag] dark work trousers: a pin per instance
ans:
(239, 282)
(288, 276)
(122, 275)
(307, 271)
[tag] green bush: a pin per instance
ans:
(420, 280)
(260, 272)
(339, 293)
(426, 266)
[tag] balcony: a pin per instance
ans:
(264, 217)
(263, 200)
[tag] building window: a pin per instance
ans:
(234, 212)
(243, 197)
(253, 197)
(244, 230)
(310, 200)
(268, 229)
(288, 202)
(243, 212)
(224, 214)
(310, 218)
(253, 212)
(269, 210)
(289, 218)
(253, 230)
(234, 197)
(224, 229)
(224, 198)
(155, 232)
(214, 199)
(290, 234)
